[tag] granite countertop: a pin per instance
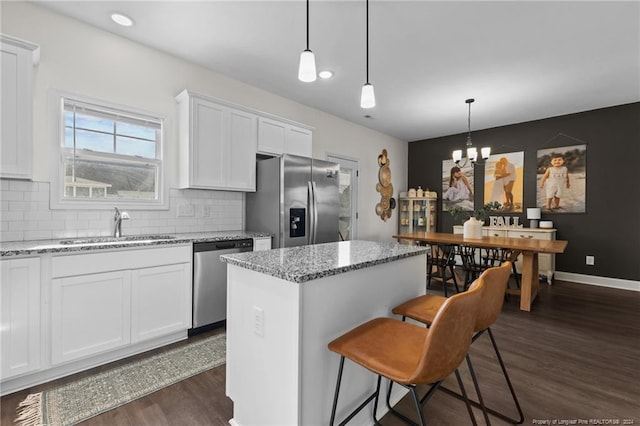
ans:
(306, 263)
(84, 244)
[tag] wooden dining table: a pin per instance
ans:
(529, 248)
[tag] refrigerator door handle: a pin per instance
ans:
(311, 207)
(315, 210)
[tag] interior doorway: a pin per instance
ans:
(348, 216)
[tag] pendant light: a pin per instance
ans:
(307, 68)
(368, 97)
(472, 152)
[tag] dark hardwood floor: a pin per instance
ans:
(575, 359)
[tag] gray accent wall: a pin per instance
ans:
(610, 228)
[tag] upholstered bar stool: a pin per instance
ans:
(411, 355)
(424, 309)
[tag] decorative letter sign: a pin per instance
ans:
(504, 221)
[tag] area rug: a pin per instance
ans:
(93, 395)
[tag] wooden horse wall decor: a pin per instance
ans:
(385, 188)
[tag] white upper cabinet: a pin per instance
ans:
(217, 144)
(18, 59)
(299, 141)
(271, 136)
(277, 137)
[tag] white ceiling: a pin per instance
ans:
(520, 60)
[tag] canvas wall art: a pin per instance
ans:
(457, 186)
(562, 179)
(503, 181)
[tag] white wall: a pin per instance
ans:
(84, 60)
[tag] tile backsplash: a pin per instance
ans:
(25, 214)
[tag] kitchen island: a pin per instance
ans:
(285, 305)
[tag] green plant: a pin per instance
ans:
(483, 213)
(458, 212)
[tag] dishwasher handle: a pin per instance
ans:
(224, 246)
(246, 244)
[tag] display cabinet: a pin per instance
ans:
(417, 214)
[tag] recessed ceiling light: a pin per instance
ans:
(121, 19)
(325, 74)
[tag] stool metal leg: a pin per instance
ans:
(481, 404)
(506, 376)
(360, 407)
(477, 388)
(466, 399)
(335, 396)
(419, 403)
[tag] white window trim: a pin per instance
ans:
(57, 199)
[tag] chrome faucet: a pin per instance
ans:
(117, 222)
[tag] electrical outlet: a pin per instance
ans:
(258, 321)
(590, 260)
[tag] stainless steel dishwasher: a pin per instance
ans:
(210, 281)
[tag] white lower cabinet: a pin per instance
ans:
(160, 303)
(90, 314)
(19, 316)
(116, 299)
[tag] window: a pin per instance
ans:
(108, 156)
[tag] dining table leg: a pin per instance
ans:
(530, 280)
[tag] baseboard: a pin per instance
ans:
(599, 281)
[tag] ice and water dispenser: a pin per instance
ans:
(297, 222)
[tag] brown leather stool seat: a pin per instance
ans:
(424, 309)
(408, 354)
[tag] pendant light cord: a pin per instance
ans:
(307, 24)
(469, 102)
(367, 41)
(469, 123)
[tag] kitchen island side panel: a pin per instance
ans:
(287, 376)
(262, 376)
(333, 306)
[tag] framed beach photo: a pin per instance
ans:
(457, 186)
(562, 179)
(503, 181)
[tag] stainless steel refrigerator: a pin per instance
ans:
(296, 199)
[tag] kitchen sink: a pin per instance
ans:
(116, 240)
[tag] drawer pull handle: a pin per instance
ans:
(496, 235)
(526, 236)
